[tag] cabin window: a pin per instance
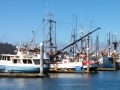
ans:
(25, 61)
(46, 61)
(8, 58)
(36, 61)
(29, 62)
(15, 61)
(17, 57)
(3, 58)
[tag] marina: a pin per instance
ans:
(59, 46)
(30, 60)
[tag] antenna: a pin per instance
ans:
(76, 27)
(47, 10)
(81, 19)
(18, 35)
(51, 8)
(49, 15)
(91, 39)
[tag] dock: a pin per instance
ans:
(38, 75)
(106, 69)
(70, 71)
(65, 71)
(21, 75)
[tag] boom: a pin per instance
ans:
(80, 39)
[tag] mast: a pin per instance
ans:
(82, 41)
(88, 50)
(43, 30)
(73, 36)
(97, 46)
(55, 38)
(76, 27)
(88, 54)
(50, 17)
(109, 43)
(50, 35)
(91, 40)
(115, 43)
(76, 35)
(51, 21)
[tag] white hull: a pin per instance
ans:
(71, 65)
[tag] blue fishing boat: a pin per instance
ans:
(108, 62)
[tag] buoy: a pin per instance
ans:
(90, 62)
(84, 62)
(65, 62)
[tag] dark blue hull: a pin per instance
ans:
(109, 63)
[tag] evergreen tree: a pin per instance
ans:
(6, 48)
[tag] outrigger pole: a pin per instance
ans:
(80, 39)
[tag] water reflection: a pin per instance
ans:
(65, 81)
(69, 75)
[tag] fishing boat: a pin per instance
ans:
(109, 58)
(66, 62)
(61, 60)
(76, 62)
(24, 61)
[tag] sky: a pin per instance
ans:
(18, 18)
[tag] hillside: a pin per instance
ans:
(6, 48)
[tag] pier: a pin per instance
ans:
(37, 75)
(65, 71)
(106, 69)
(21, 75)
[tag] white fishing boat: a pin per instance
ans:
(24, 61)
(79, 61)
(66, 63)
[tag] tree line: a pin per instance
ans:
(6, 48)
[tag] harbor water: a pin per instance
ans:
(103, 80)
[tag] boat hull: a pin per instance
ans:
(92, 67)
(71, 65)
(23, 69)
(108, 62)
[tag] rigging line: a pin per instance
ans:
(42, 28)
(77, 24)
(53, 31)
(45, 26)
(46, 38)
(63, 27)
(103, 43)
(52, 26)
(37, 29)
(64, 22)
(53, 36)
